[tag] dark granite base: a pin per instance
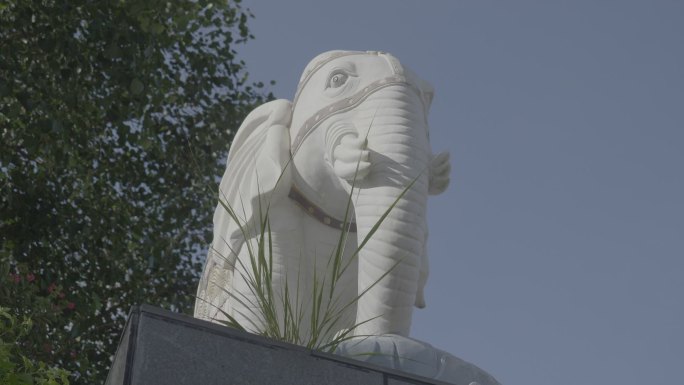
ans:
(162, 347)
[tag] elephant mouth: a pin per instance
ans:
(314, 211)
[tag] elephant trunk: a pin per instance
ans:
(389, 264)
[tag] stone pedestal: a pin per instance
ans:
(415, 357)
(161, 347)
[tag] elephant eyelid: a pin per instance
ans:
(348, 68)
(346, 72)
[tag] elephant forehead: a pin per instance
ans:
(364, 68)
(327, 57)
(323, 58)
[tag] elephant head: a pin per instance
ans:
(358, 119)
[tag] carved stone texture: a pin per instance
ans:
(356, 131)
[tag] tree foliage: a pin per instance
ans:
(115, 118)
(17, 369)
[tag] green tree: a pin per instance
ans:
(15, 368)
(115, 118)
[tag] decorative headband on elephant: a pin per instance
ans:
(310, 180)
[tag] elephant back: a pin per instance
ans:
(234, 217)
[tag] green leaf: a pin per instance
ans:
(156, 28)
(136, 86)
(4, 88)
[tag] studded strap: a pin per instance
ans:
(317, 213)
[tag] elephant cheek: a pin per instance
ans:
(389, 264)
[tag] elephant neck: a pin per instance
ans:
(318, 213)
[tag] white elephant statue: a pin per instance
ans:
(358, 119)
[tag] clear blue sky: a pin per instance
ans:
(557, 253)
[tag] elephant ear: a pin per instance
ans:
(255, 169)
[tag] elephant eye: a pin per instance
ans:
(337, 79)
